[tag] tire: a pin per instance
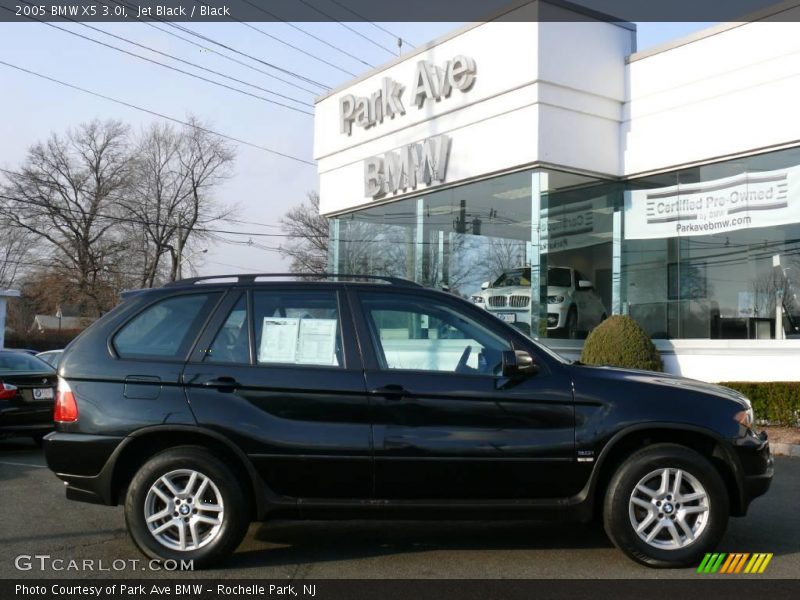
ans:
(213, 542)
(571, 325)
(645, 468)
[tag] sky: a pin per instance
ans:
(263, 185)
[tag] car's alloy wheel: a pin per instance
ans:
(669, 508)
(184, 510)
(186, 504)
(666, 505)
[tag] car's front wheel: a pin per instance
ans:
(186, 504)
(666, 506)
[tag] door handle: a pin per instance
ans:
(392, 391)
(223, 384)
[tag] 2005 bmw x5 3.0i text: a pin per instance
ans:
(212, 402)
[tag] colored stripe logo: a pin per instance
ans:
(737, 562)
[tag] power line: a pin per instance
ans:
(250, 56)
(207, 49)
(137, 221)
(166, 66)
(363, 18)
(231, 49)
(158, 114)
(309, 34)
(358, 33)
(196, 66)
(118, 198)
(285, 43)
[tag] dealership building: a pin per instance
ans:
(664, 184)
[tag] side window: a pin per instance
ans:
(232, 342)
(165, 329)
(425, 335)
(297, 327)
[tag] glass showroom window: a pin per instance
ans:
(714, 251)
(479, 241)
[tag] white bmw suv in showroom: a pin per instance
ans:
(573, 306)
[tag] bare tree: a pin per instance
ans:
(499, 255)
(66, 194)
(207, 161)
(15, 252)
(172, 202)
(308, 233)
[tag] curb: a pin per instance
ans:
(781, 449)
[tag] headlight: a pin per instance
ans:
(746, 417)
(478, 299)
(555, 299)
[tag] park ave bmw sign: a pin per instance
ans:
(431, 83)
(424, 162)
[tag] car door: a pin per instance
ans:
(446, 423)
(277, 373)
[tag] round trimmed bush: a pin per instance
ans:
(619, 341)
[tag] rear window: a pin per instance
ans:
(165, 329)
(18, 362)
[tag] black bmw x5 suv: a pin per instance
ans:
(212, 402)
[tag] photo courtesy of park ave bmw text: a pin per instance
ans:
(335, 299)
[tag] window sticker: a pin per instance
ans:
(317, 342)
(279, 340)
(294, 340)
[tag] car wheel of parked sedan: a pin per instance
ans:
(185, 504)
(666, 506)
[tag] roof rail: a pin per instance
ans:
(251, 277)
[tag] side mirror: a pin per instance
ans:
(518, 363)
(486, 285)
(584, 284)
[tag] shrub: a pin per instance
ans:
(619, 341)
(41, 341)
(774, 402)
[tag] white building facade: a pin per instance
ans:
(669, 180)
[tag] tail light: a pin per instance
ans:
(7, 391)
(66, 409)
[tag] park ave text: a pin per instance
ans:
(167, 589)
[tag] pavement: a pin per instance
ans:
(37, 520)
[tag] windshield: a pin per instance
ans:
(18, 362)
(517, 277)
(559, 277)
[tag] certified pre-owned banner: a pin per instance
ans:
(738, 202)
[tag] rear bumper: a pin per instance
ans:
(83, 462)
(26, 418)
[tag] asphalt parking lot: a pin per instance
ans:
(38, 520)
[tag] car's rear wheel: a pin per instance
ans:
(666, 506)
(186, 504)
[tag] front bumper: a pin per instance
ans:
(757, 467)
(556, 315)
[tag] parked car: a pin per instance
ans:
(211, 402)
(573, 306)
(51, 357)
(24, 351)
(27, 393)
